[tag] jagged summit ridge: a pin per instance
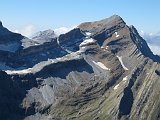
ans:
(44, 36)
(100, 70)
(102, 24)
(48, 33)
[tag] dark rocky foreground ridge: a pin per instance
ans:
(102, 70)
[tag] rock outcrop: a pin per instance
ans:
(102, 70)
(44, 36)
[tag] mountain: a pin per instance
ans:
(19, 52)
(44, 36)
(101, 70)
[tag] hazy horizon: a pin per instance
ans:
(39, 15)
(29, 17)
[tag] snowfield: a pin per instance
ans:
(101, 65)
(104, 48)
(116, 34)
(25, 71)
(88, 33)
(58, 40)
(87, 41)
(125, 79)
(120, 59)
(116, 87)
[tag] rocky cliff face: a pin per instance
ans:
(44, 36)
(101, 70)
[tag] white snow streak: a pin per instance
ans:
(101, 65)
(120, 59)
(116, 87)
(88, 33)
(116, 34)
(87, 41)
(58, 40)
(125, 78)
(104, 48)
(25, 71)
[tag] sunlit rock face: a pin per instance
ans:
(102, 70)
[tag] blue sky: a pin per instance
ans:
(44, 14)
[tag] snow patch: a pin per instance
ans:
(73, 55)
(58, 40)
(83, 49)
(107, 47)
(101, 65)
(120, 59)
(64, 48)
(104, 48)
(68, 51)
(88, 33)
(116, 87)
(125, 78)
(25, 71)
(36, 44)
(87, 41)
(116, 34)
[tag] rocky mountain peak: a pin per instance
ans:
(114, 18)
(102, 70)
(8, 39)
(142, 44)
(44, 36)
(102, 24)
(47, 33)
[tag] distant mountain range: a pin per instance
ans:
(101, 70)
